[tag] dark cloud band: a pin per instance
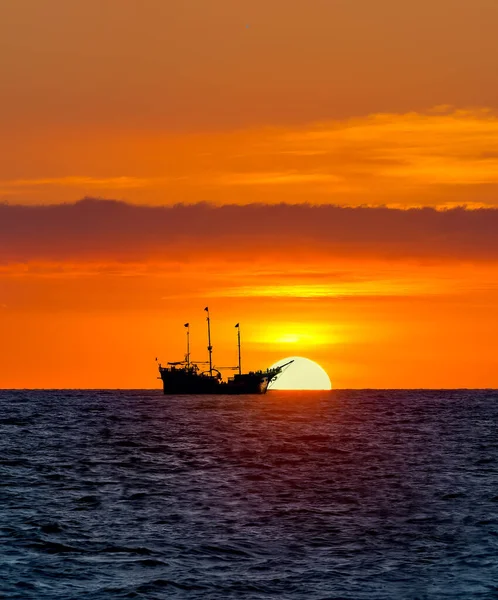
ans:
(107, 230)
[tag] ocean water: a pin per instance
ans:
(292, 495)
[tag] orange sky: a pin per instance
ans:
(276, 114)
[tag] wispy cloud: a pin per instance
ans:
(80, 181)
(444, 157)
(443, 146)
(376, 287)
(277, 178)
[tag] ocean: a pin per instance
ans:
(293, 495)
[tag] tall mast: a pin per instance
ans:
(210, 348)
(187, 325)
(238, 343)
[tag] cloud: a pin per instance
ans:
(442, 158)
(380, 155)
(277, 178)
(440, 147)
(105, 230)
(8, 186)
(375, 287)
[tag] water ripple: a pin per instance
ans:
(352, 495)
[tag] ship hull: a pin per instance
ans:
(180, 383)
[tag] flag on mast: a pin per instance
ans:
(207, 309)
(237, 325)
(186, 324)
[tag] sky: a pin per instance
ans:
(324, 172)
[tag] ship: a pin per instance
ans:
(187, 377)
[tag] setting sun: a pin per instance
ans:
(302, 374)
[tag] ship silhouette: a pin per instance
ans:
(186, 377)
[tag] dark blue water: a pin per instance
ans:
(361, 495)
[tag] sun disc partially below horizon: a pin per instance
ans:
(302, 374)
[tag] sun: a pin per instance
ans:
(302, 374)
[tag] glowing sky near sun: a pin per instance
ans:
(298, 166)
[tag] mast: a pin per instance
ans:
(238, 343)
(187, 325)
(210, 348)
